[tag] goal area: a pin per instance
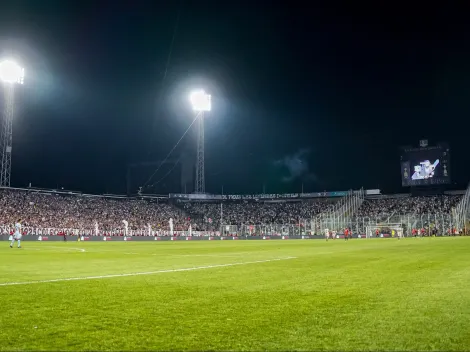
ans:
(384, 230)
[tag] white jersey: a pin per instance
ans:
(17, 235)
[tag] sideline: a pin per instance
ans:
(64, 248)
(143, 273)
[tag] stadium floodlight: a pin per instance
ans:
(11, 72)
(200, 101)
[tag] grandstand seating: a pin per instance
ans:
(414, 212)
(40, 209)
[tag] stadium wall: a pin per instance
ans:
(165, 238)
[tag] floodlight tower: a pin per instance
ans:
(201, 103)
(11, 74)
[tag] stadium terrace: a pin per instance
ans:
(361, 212)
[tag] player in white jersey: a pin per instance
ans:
(17, 235)
(400, 234)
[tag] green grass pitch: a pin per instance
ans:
(384, 294)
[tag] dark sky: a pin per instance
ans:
(339, 88)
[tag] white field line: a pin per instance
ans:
(235, 255)
(143, 273)
(136, 253)
(204, 255)
(183, 255)
(66, 248)
(163, 255)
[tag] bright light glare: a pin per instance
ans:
(200, 101)
(11, 72)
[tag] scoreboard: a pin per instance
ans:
(426, 165)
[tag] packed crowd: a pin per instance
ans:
(62, 211)
(250, 213)
(48, 210)
(425, 212)
(385, 207)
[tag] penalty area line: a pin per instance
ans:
(63, 249)
(143, 273)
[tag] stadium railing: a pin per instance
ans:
(359, 225)
(341, 215)
(27, 230)
(461, 212)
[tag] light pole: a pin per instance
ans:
(201, 103)
(11, 74)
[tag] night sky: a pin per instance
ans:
(313, 95)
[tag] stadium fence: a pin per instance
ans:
(444, 223)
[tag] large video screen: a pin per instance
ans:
(425, 166)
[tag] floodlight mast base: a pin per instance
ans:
(7, 135)
(200, 186)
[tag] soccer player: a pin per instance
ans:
(17, 235)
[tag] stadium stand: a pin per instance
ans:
(63, 211)
(414, 212)
(256, 212)
(384, 207)
(54, 212)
